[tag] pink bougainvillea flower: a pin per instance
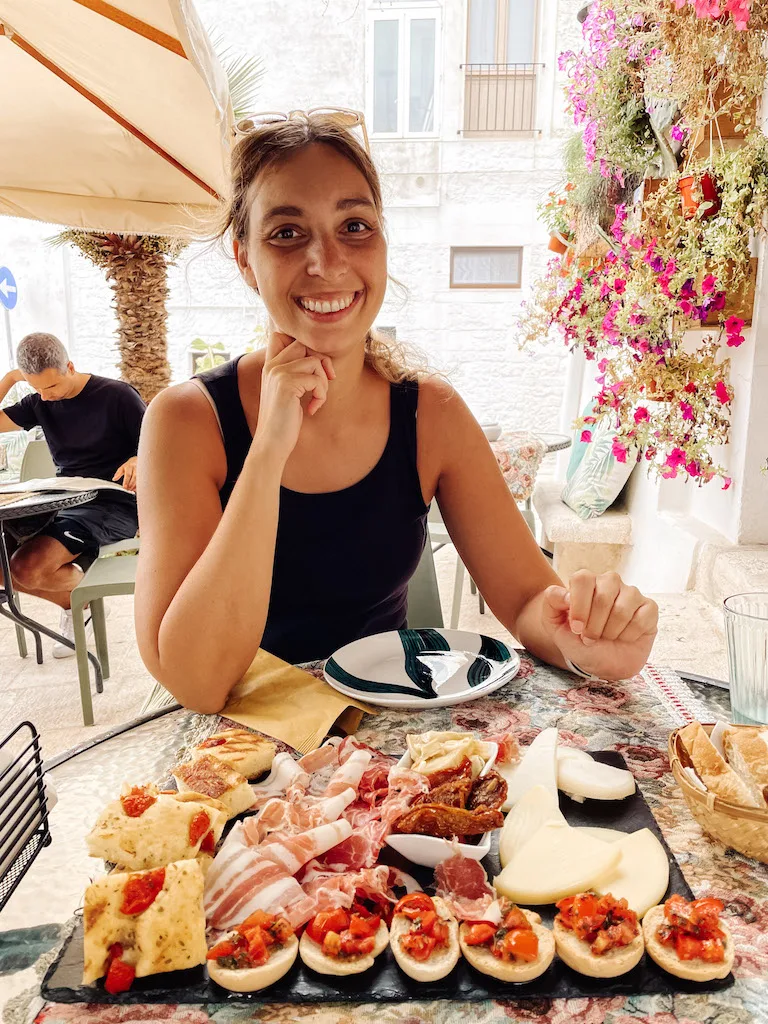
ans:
(726, 482)
(686, 410)
(708, 284)
(586, 436)
(677, 133)
(676, 458)
(734, 340)
(641, 414)
(721, 392)
(619, 450)
(733, 325)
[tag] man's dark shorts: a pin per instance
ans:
(83, 529)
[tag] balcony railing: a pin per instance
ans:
(499, 99)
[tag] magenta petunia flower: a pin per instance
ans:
(708, 284)
(676, 458)
(619, 450)
(641, 414)
(677, 133)
(721, 392)
(733, 325)
(692, 469)
(620, 285)
(586, 436)
(727, 483)
(690, 388)
(686, 410)
(734, 340)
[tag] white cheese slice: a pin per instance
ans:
(641, 876)
(608, 835)
(589, 779)
(557, 861)
(538, 767)
(531, 811)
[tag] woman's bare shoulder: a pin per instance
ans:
(180, 429)
(441, 408)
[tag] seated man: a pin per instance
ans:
(92, 428)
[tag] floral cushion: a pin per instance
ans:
(519, 456)
(597, 473)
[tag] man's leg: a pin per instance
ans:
(43, 567)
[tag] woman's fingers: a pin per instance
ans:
(624, 608)
(581, 590)
(276, 342)
(293, 351)
(644, 622)
(607, 589)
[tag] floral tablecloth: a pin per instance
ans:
(633, 717)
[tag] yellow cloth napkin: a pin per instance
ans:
(294, 706)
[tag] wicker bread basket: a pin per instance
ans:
(744, 829)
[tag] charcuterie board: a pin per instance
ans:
(385, 982)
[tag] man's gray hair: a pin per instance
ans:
(39, 352)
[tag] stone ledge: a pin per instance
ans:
(561, 525)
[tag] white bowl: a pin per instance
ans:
(429, 851)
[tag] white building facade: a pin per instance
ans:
(464, 109)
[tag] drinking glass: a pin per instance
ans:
(746, 630)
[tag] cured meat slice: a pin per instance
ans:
(488, 793)
(285, 773)
(294, 852)
(509, 748)
(350, 773)
(463, 884)
(320, 758)
(447, 822)
(282, 818)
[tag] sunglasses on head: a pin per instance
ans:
(343, 116)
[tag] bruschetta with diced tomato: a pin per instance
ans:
(424, 937)
(510, 944)
(343, 941)
(255, 955)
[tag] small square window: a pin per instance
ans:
(201, 361)
(486, 267)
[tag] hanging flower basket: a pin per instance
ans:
(738, 303)
(690, 190)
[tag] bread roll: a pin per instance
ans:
(313, 956)
(253, 979)
(713, 770)
(576, 953)
(442, 960)
(247, 753)
(746, 748)
(666, 957)
(482, 959)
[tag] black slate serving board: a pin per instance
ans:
(385, 982)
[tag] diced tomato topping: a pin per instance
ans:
(518, 944)
(226, 947)
(440, 932)
(426, 920)
(414, 905)
(140, 891)
(693, 929)
(257, 947)
(601, 921)
(418, 945)
(281, 930)
(327, 921)
(198, 827)
(363, 927)
(479, 934)
(119, 977)
(515, 918)
(137, 801)
(258, 919)
(352, 946)
(332, 943)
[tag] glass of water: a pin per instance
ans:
(746, 630)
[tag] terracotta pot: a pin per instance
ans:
(709, 194)
(557, 244)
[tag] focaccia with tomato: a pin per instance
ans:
(145, 922)
(343, 941)
(424, 937)
(149, 829)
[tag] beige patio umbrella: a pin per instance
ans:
(115, 116)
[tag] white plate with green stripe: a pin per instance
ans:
(420, 668)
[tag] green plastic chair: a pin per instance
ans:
(110, 575)
(424, 611)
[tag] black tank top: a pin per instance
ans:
(343, 559)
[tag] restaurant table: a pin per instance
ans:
(36, 505)
(634, 717)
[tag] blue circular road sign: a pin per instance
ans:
(8, 294)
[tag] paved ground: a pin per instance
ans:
(691, 636)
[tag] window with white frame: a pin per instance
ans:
(402, 70)
(486, 266)
(501, 31)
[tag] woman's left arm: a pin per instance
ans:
(596, 622)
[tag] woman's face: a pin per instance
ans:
(316, 250)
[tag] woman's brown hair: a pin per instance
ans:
(276, 141)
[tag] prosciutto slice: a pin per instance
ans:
(350, 773)
(295, 851)
(463, 884)
(285, 773)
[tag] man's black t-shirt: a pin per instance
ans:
(91, 434)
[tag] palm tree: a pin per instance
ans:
(136, 266)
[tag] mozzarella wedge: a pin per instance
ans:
(641, 876)
(538, 767)
(584, 778)
(537, 807)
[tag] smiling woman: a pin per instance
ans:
(293, 483)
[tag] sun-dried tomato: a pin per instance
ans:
(140, 891)
(137, 801)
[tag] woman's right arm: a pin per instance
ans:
(204, 578)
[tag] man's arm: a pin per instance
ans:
(6, 383)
